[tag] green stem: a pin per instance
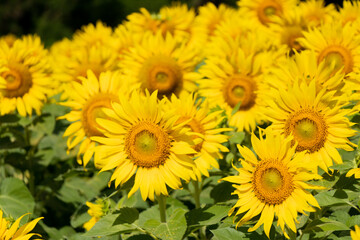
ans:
(162, 207)
(30, 155)
(197, 191)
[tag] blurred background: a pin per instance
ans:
(55, 19)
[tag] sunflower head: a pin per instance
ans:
(87, 99)
(273, 183)
(12, 230)
(25, 81)
(144, 140)
(313, 119)
(203, 123)
(162, 64)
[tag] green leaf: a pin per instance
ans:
(333, 197)
(222, 192)
(227, 234)
(79, 190)
(109, 224)
(207, 216)
(173, 229)
(325, 224)
(237, 137)
(15, 198)
(127, 215)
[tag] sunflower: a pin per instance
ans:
(317, 122)
(315, 12)
(25, 78)
(210, 16)
(349, 13)
(142, 139)
(86, 99)
(336, 44)
(9, 39)
(12, 232)
(273, 183)
(304, 67)
(237, 31)
(94, 35)
(208, 137)
(233, 80)
(264, 10)
(288, 29)
(355, 235)
(71, 61)
(176, 20)
(96, 210)
(163, 64)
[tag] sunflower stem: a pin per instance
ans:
(197, 191)
(162, 207)
(29, 156)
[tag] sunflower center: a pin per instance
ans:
(272, 179)
(147, 145)
(161, 73)
(267, 9)
(18, 81)
(290, 37)
(309, 129)
(240, 89)
(93, 110)
(272, 182)
(196, 127)
(338, 57)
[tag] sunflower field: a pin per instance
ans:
(191, 122)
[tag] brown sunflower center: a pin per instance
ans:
(290, 37)
(268, 8)
(196, 127)
(93, 110)
(147, 145)
(338, 57)
(309, 129)
(272, 182)
(240, 89)
(18, 81)
(162, 73)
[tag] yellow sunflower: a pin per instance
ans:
(9, 39)
(237, 31)
(94, 35)
(163, 64)
(304, 67)
(233, 80)
(315, 12)
(336, 44)
(355, 235)
(208, 137)
(349, 13)
(12, 231)
(355, 172)
(273, 183)
(86, 100)
(142, 139)
(317, 122)
(264, 10)
(25, 78)
(176, 20)
(210, 16)
(71, 61)
(288, 28)
(96, 210)
(123, 40)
